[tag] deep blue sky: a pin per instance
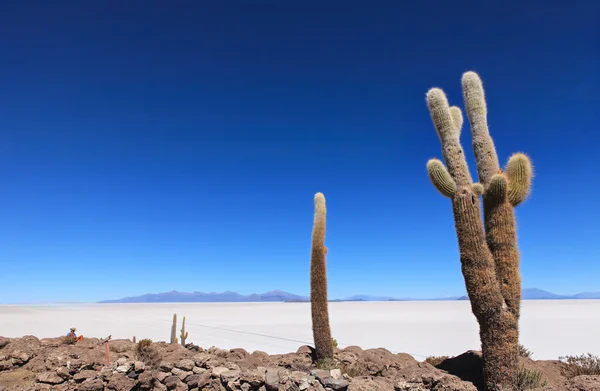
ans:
(151, 145)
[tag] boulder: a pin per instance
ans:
(49, 378)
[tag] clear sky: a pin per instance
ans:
(151, 145)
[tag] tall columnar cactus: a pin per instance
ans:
(318, 283)
(184, 334)
(174, 329)
(515, 181)
(489, 258)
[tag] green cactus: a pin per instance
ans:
(318, 284)
(489, 257)
(174, 329)
(184, 334)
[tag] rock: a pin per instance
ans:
(160, 376)
(122, 361)
(335, 373)
(272, 379)
(139, 366)
(84, 375)
(19, 358)
(372, 384)
(467, 366)
(185, 364)
(5, 365)
(198, 381)
(255, 378)
(218, 371)
(159, 387)
(214, 385)
(64, 373)
(145, 380)
(230, 376)
(49, 378)
(120, 382)
(91, 385)
(329, 382)
(181, 374)
(124, 368)
(301, 380)
(172, 382)
(165, 366)
(3, 342)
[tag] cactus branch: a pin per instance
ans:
(483, 145)
(477, 189)
(454, 155)
(519, 172)
(440, 177)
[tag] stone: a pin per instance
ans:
(335, 373)
(160, 376)
(139, 366)
(124, 368)
(120, 382)
(198, 370)
(49, 378)
(198, 381)
(64, 373)
(165, 366)
(3, 342)
(159, 387)
(217, 371)
(91, 385)
(231, 375)
(172, 382)
(185, 364)
(255, 378)
(272, 379)
(181, 374)
(122, 361)
(301, 380)
(145, 380)
(19, 358)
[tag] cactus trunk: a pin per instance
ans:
(489, 255)
(174, 329)
(318, 284)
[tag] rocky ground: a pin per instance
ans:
(28, 364)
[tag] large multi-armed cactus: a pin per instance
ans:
(489, 257)
(318, 283)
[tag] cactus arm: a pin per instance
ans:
(519, 172)
(483, 145)
(497, 189)
(440, 178)
(457, 118)
(318, 283)
(449, 135)
(477, 188)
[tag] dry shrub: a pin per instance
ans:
(68, 340)
(585, 364)
(327, 364)
(529, 379)
(334, 342)
(149, 354)
(524, 352)
(436, 360)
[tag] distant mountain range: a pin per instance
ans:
(280, 296)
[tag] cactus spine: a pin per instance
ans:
(184, 334)
(318, 284)
(489, 258)
(174, 329)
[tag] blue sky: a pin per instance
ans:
(148, 146)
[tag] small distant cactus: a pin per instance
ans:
(184, 334)
(318, 284)
(134, 340)
(489, 257)
(174, 329)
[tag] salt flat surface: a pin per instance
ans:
(549, 328)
